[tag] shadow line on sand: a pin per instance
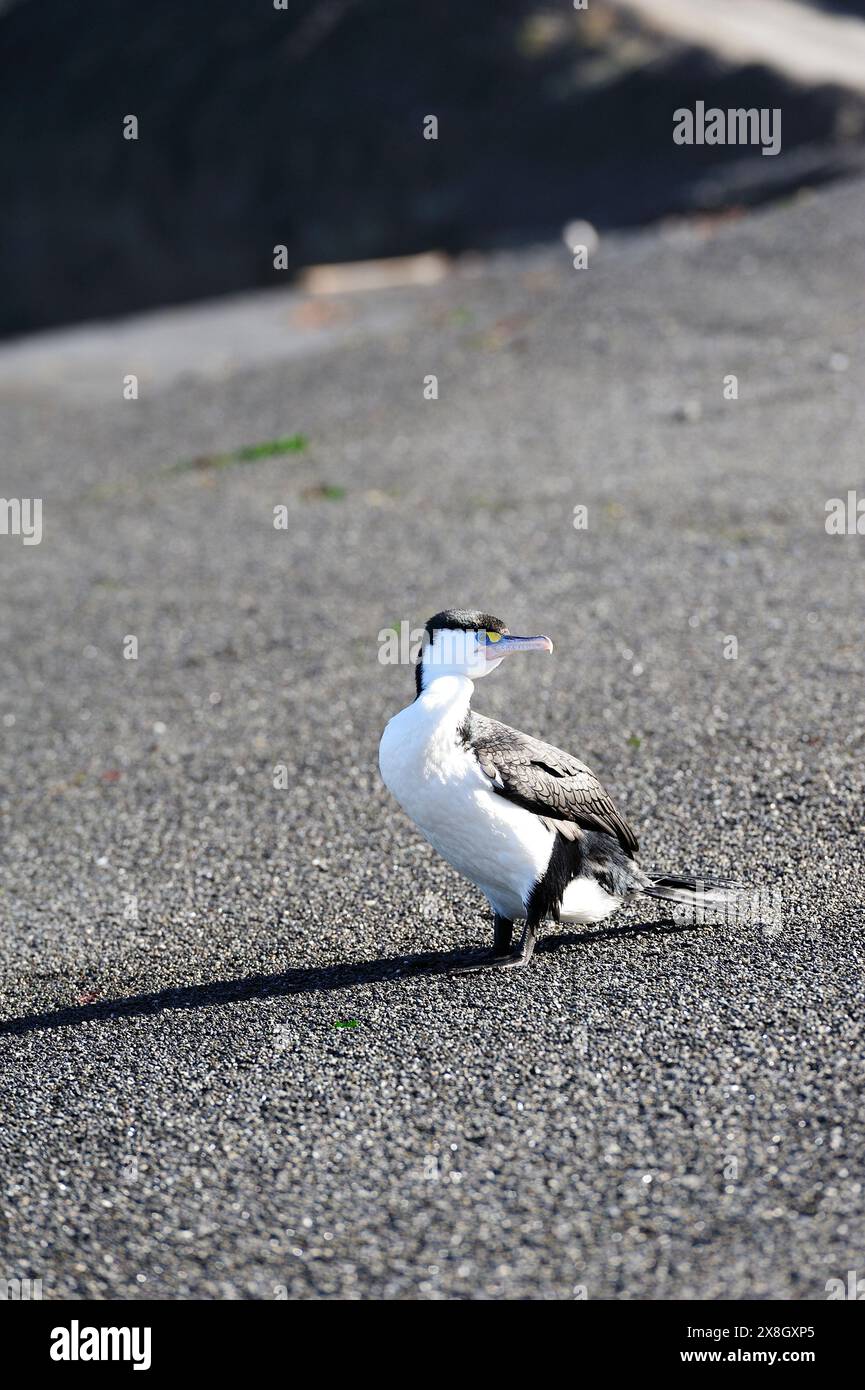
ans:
(308, 980)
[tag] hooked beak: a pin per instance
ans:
(507, 644)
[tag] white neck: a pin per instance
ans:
(446, 698)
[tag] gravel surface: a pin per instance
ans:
(233, 1062)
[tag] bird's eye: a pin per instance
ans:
(494, 637)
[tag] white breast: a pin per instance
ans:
(498, 846)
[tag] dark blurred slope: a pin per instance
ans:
(303, 127)
(846, 7)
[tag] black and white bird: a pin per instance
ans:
(529, 825)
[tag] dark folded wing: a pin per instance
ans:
(554, 785)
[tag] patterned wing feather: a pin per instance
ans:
(554, 785)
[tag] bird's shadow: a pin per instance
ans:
(309, 980)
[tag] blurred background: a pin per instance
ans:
(301, 127)
(221, 1071)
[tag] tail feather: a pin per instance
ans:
(691, 887)
(696, 891)
(699, 898)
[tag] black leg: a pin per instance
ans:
(526, 951)
(504, 932)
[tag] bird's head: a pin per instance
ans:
(464, 642)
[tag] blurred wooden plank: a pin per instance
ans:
(807, 45)
(426, 269)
